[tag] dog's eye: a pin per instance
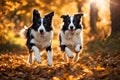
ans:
(68, 22)
(44, 23)
(74, 21)
(37, 24)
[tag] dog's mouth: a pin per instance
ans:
(72, 30)
(42, 34)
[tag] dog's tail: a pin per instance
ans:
(23, 32)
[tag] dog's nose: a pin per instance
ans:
(41, 30)
(71, 27)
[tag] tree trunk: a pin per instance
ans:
(115, 16)
(93, 16)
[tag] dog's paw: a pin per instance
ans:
(50, 63)
(70, 56)
(69, 53)
(77, 48)
(38, 60)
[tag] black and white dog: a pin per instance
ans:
(39, 36)
(71, 35)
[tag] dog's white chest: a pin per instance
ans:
(71, 39)
(42, 41)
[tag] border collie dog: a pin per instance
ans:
(39, 36)
(71, 35)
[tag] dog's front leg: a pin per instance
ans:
(32, 46)
(67, 50)
(31, 57)
(65, 57)
(77, 50)
(31, 52)
(48, 49)
(37, 54)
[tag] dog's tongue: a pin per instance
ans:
(72, 30)
(41, 34)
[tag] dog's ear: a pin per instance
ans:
(36, 15)
(78, 16)
(49, 16)
(64, 16)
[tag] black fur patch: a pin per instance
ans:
(62, 47)
(80, 47)
(60, 38)
(48, 48)
(66, 20)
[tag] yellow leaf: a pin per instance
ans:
(56, 78)
(99, 68)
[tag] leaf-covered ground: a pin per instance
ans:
(90, 67)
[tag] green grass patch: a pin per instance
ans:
(110, 45)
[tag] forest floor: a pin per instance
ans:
(98, 61)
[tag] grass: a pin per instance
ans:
(110, 45)
(13, 43)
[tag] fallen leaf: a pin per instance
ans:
(11, 74)
(99, 68)
(55, 78)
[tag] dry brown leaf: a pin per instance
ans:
(11, 74)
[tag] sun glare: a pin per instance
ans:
(103, 12)
(98, 2)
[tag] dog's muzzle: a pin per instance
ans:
(41, 31)
(71, 29)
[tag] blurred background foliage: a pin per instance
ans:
(97, 21)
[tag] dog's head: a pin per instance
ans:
(72, 23)
(42, 25)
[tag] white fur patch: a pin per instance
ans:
(50, 58)
(37, 54)
(68, 51)
(77, 48)
(71, 23)
(41, 26)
